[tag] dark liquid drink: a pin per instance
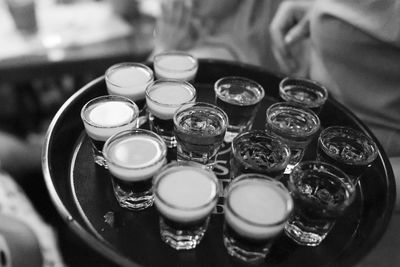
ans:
(239, 98)
(321, 193)
(199, 131)
(347, 149)
(307, 93)
(258, 152)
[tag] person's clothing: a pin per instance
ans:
(15, 204)
(356, 54)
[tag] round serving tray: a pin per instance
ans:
(82, 192)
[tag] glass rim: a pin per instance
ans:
(173, 167)
(116, 66)
(289, 203)
(273, 138)
(138, 131)
(357, 134)
(104, 97)
(257, 85)
(188, 105)
(158, 56)
(305, 81)
(300, 110)
(155, 83)
(344, 178)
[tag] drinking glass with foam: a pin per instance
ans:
(130, 79)
(175, 65)
(185, 195)
(163, 98)
(104, 116)
(256, 210)
(133, 157)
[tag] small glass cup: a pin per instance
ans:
(322, 193)
(104, 116)
(348, 149)
(185, 195)
(163, 98)
(130, 79)
(239, 97)
(295, 125)
(199, 129)
(256, 151)
(133, 157)
(175, 65)
(256, 210)
(305, 92)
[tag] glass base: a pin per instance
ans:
(235, 249)
(302, 237)
(131, 200)
(182, 239)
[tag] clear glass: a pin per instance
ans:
(185, 195)
(305, 92)
(256, 151)
(256, 210)
(104, 116)
(239, 97)
(322, 193)
(348, 149)
(133, 158)
(199, 129)
(295, 125)
(163, 98)
(175, 65)
(130, 79)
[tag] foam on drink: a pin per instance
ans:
(175, 66)
(256, 209)
(164, 99)
(186, 194)
(106, 118)
(135, 158)
(129, 80)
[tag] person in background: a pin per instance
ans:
(353, 48)
(227, 29)
(25, 238)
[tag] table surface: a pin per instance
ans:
(82, 192)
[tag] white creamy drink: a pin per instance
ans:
(135, 158)
(260, 208)
(256, 210)
(129, 80)
(186, 195)
(164, 99)
(109, 117)
(175, 65)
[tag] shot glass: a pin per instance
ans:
(295, 125)
(305, 92)
(348, 149)
(104, 116)
(239, 97)
(175, 65)
(199, 129)
(130, 79)
(322, 193)
(133, 157)
(256, 151)
(256, 210)
(185, 195)
(163, 98)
